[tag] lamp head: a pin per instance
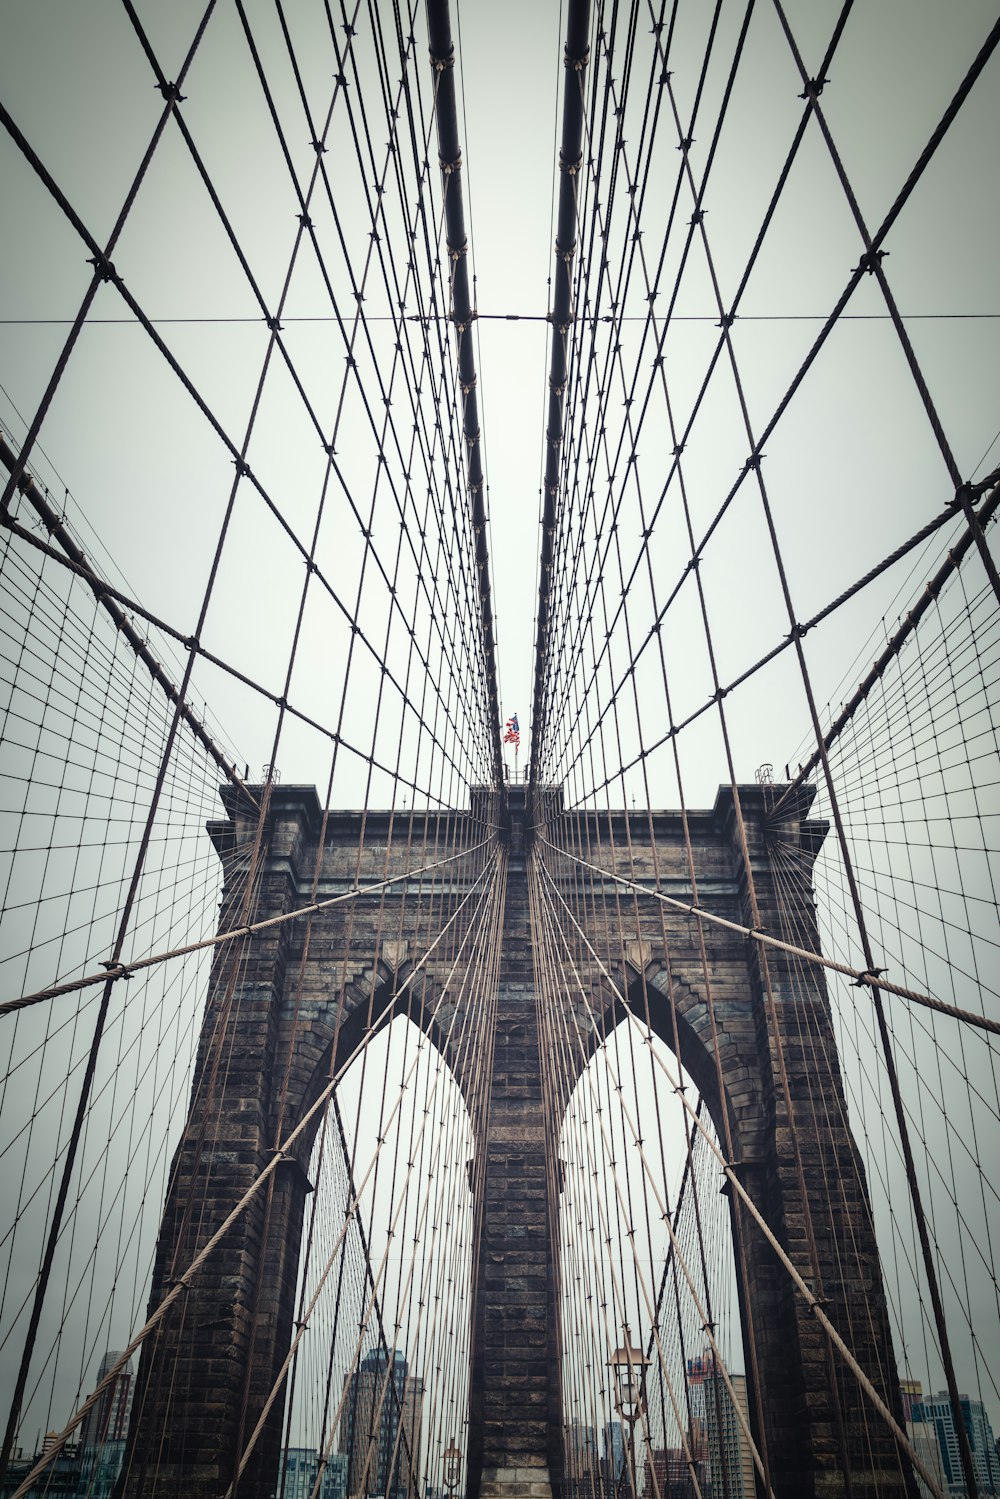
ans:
(628, 1366)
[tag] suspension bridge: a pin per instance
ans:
(386, 1110)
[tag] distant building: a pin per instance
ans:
(716, 1429)
(380, 1426)
(107, 1421)
(104, 1430)
(582, 1466)
(922, 1434)
(88, 1469)
(668, 1476)
(300, 1467)
(911, 1393)
(614, 1479)
(936, 1410)
(99, 1469)
(60, 1480)
(614, 1447)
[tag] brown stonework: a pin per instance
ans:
(205, 1374)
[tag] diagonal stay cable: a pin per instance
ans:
(861, 977)
(243, 468)
(109, 600)
(181, 1282)
(249, 929)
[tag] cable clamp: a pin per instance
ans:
(698, 217)
(687, 141)
(814, 88)
(305, 220)
(727, 320)
(242, 467)
(103, 267)
(870, 976)
(171, 93)
(273, 324)
(870, 262)
(341, 79)
(318, 147)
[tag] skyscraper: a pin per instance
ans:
(103, 1432)
(107, 1421)
(937, 1409)
(380, 1425)
(922, 1434)
(614, 1453)
(730, 1460)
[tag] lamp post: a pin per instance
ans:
(452, 1468)
(628, 1367)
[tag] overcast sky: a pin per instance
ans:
(852, 470)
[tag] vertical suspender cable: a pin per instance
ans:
(562, 317)
(463, 315)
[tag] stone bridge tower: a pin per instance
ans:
(234, 1325)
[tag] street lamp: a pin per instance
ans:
(452, 1467)
(628, 1367)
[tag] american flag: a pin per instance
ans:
(511, 732)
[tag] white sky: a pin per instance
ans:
(852, 470)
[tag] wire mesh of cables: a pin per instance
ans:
(304, 549)
(732, 536)
(754, 455)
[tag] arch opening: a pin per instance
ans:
(646, 1263)
(380, 1388)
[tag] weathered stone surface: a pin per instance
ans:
(755, 1036)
